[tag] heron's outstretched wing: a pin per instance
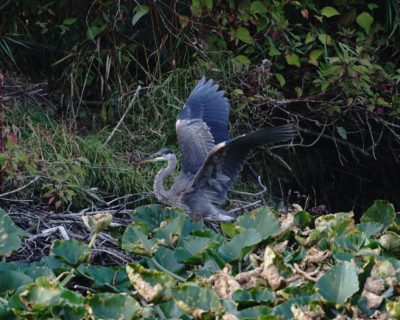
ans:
(225, 161)
(195, 142)
(209, 104)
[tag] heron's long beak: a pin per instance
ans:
(150, 159)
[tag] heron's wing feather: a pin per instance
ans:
(225, 161)
(208, 103)
(195, 142)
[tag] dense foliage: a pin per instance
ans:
(260, 267)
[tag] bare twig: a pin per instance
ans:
(256, 194)
(20, 188)
(131, 104)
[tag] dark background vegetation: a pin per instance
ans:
(71, 68)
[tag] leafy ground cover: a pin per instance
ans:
(265, 265)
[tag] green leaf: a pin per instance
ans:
(135, 240)
(314, 55)
(192, 248)
(171, 231)
(209, 4)
(192, 298)
(250, 297)
(339, 283)
(325, 39)
(153, 215)
(106, 277)
(139, 11)
(329, 11)
(242, 59)
(292, 59)
(152, 285)
(309, 38)
(94, 31)
(273, 51)
(258, 7)
(342, 132)
(280, 78)
(257, 312)
(381, 212)
(243, 34)
(303, 219)
(197, 8)
(391, 242)
(12, 280)
(240, 245)
(40, 294)
(113, 306)
(72, 252)
(10, 234)
(262, 220)
(166, 258)
(365, 21)
(69, 21)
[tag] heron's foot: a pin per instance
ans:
(221, 216)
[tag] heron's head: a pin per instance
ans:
(162, 155)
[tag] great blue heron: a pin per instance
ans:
(211, 160)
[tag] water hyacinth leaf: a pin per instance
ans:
(40, 294)
(106, 277)
(329, 11)
(262, 220)
(196, 300)
(370, 228)
(152, 285)
(250, 297)
(257, 7)
(381, 212)
(365, 20)
(391, 242)
(257, 312)
(11, 280)
(339, 283)
(352, 241)
(70, 305)
(72, 252)
(112, 306)
(10, 234)
(139, 12)
(303, 219)
(192, 248)
(167, 259)
(170, 232)
(135, 240)
(153, 215)
(240, 245)
(212, 263)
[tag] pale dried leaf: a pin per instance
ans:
(223, 283)
(269, 271)
(315, 255)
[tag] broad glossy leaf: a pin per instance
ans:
(192, 248)
(112, 278)
(240, 245)
(193, 299)
(339, 283)
(72, 252)
(254, 296)
(262, 220)
(280, 78)
(11, 280)
(153, 215)
(170, 232)
(10, 234)
(135, 240)
(391, 242)
(113, 306)
(365, 20)
(152, 285)
(40, 294)
(352, 241)
(329, 11)
(381, 212)
(242, 59)
(212, 263)
(303, 219)
(257, 312)
(167, 258)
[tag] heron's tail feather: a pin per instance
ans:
(272, 134)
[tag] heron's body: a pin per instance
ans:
(211, 161)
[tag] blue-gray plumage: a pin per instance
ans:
(211, 161)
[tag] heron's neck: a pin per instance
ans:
(158, 187)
